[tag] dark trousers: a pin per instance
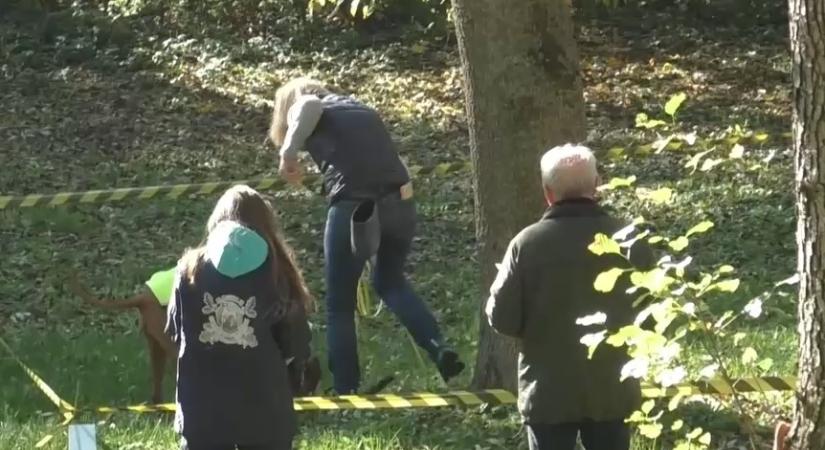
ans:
(613, 435)
(343, 270)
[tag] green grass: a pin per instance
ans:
(177, 111)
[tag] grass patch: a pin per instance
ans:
(181, 110)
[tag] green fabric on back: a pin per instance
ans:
(160, 283)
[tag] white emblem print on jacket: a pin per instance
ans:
(228, 321)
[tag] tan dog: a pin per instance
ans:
(152, 323)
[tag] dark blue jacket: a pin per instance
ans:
(354, 151)
(235, 336)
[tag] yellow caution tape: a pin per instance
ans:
(492, 396)
(136, 193)
(718, 386)
(426, 399)
(65, 407)
(175, 191)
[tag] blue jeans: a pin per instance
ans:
(343, 270)
(612, 435)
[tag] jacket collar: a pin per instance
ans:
(574, 207)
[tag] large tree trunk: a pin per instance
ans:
(807, 25)
(524, 94)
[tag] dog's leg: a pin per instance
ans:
(157, 361)
(780, 435)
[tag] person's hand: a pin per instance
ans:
(290, 170)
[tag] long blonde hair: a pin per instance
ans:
(285, 97)
(246, 206)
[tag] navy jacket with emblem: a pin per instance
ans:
(235, 337)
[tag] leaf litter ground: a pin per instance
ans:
(180, 109)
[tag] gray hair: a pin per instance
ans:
(569, 171)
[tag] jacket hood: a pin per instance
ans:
(234, 249)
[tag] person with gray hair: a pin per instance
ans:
(544, 284)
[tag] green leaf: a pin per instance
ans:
(592, 341)
(749, 356)
(442, 169)
(794, 279)
(367, 11)
(672, 405)
(617, 182)
(643, 121)
(636, 417)
(709, 371)
(672, 105)
(705, 439)
(737, 338)
(650, 430)
(647, 406)
(597, 318)
(728, 285)
(602, 244)
(689, 138)
(737, 152)
(709, 164)
(655, 280)
(606, 280)
(695, 433)
(693, 163)
(701, 227)
(766, 364)
(760, 137)
(660, 144)
(418, 48)
(658, 197)
(45, 440)
(353, 7)
(725, 269)
(678, 244)
(655, 240)
(616, 153)
(677, 425)
(624, 334)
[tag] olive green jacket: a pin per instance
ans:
(544, 284)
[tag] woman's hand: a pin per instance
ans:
(290, 170)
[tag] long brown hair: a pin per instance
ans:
(246, 206)
(285, 97)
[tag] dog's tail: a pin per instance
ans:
(81, 290)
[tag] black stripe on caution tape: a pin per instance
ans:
(379, 401)
(490, 397)
(721, 387)
(426, 399)
(176, 191)
(137, 193)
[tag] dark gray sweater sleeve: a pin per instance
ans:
(504, 307)
(302, 118)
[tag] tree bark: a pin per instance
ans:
(807, 26)
(523, 91)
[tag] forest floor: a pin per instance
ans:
(80, 113)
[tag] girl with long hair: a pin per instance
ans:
(238, 314)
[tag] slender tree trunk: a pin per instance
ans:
(524, 94)
(807, 25)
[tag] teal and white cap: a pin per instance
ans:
(234, 249)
